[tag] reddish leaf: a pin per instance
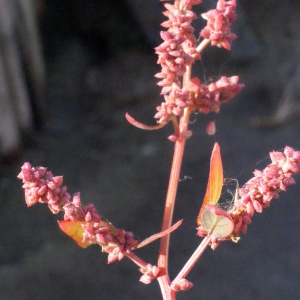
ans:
(215, 221)
(156, 236)
(215, 181)
(140, 125)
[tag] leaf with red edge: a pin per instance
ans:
(215, 181)
(75, 231)
(216, 221)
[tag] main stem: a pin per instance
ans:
(163, 258)
(172, 191)
(170, 202)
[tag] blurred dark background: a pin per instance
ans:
(98, 63)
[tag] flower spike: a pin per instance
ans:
(258, 192)
(81, 223)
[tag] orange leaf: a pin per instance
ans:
(75, 231)
(215, 181)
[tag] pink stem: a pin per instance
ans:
(166, 291)
(192, 261)
(173, 185)
(163, 257)
(202, 45)
(172, 191)
(137, 260)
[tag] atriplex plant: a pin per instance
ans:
(182, 95)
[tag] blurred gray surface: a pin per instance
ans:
(124, 172)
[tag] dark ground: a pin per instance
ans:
(124, 172)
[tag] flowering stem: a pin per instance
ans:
(136, 259)
(192, 261)
(175, 172)
(170, 202)
(202, 45)
(187, 75)
(166, 291)
(171, 194)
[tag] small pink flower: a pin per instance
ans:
(211, 128)
(32, 196)
(182, 285)
(150, 272)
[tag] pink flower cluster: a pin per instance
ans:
(208, 98)
(116, 242)
(182, 285)
(258, 192)
(264, 186)
(178, 51)
(174, 54)
(150, 272)
(219, 21)
(41, 186)
(153, 272)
